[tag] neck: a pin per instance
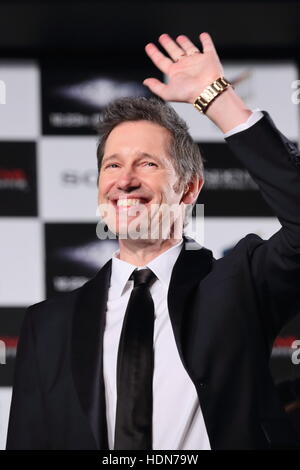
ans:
(141, 252)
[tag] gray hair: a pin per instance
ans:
(183, 151)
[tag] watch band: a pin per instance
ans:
(210, 93)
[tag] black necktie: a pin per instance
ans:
(133, 430)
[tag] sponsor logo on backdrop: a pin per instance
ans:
(234, 179)
(74, 177)
(11, 320)
(8, 348)
(73, 120)
(14, 178)
(284, 347)
(96, 94)
(73, 99)
(73, 255)
(225, 179)
(18, 193)
(68, 283)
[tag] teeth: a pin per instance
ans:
(128, 202)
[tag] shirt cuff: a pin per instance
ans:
(255, 116)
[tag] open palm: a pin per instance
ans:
(187, 69)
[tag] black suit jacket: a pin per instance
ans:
(225, 315)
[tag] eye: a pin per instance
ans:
(111, 165)
(151, 163)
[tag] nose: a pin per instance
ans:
(128, 180)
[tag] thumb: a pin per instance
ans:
(157, 87)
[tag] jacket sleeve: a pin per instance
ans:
(274, 163)
(27, 426)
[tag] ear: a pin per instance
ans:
(192, 190)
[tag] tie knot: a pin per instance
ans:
(143, 276)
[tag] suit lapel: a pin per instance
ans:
(192, 265)
(87, 352)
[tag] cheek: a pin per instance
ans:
(168, 191)
(103, 186)
(101, 195)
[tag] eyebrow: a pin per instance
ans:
(140, 155)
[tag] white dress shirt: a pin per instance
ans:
(177, 417)
(178, 422)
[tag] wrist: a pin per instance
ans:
(210, 93)
(228, 111)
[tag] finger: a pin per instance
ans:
(207, 43)
(157, 87)
(187, 44)
(171, 47)
(158, 58)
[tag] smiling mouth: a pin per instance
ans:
(123, 204)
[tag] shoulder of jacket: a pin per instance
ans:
(59, 306)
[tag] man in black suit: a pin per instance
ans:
(215, 320)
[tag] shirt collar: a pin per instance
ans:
(162, 267)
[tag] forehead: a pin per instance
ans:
(144, 136)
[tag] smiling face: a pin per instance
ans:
(136, 174)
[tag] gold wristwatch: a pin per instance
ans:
(210, 93)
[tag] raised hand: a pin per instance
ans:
(187, 69)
